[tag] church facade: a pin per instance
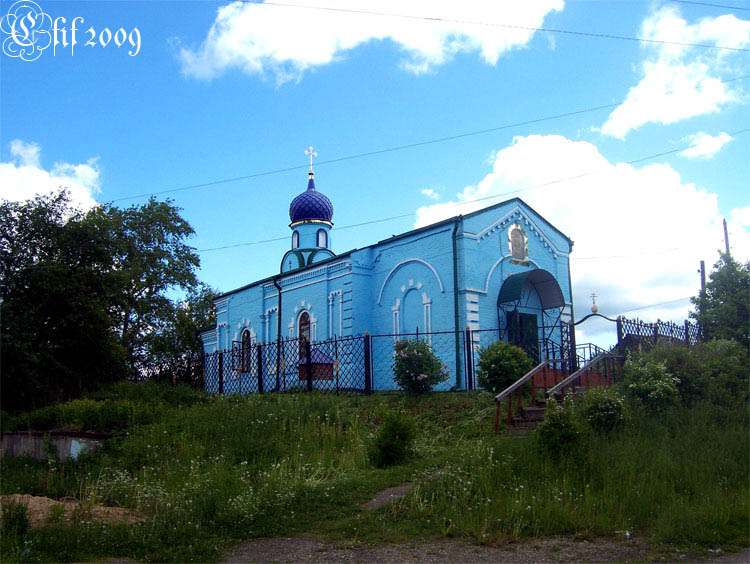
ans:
(502, 272)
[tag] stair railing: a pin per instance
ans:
(601, 358)
(516, 387)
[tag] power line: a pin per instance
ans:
(610, 257)
(369, 153)
(657, 304)
(485, 198)
(495, 24)
(711, 5)
(383, 151)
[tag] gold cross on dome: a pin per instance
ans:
(312, 154)
(593, 298)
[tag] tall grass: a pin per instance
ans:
(685, 480)
(209, 471)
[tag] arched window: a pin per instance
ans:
(322, 239)
(295, 239)
(245, 351)
(303, 331)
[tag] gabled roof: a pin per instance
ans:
(395, 238)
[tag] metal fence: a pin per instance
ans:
(360, 363)
(336, 365)
(637, 334)
(364, 363)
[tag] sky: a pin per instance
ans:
(625, 124)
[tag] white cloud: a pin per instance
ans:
(23, 177)
(704, 145)
(655, 225)
(287, 41)
(678, 82)
(430, 193)
(26, 153)
(740, 217)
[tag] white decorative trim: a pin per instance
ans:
(331, 307)
(226, 334)
(396, 320)
(427, 316)
(494, 266)
(521, 214)
(267, 321)
(402, 263)
(315, 282)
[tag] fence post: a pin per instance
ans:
(687, 332)
(259, 350)
(308, 364)
(619, 335)
(221, 373)
(572, 358)
(469, 359)
(203, 370)
(368, 361)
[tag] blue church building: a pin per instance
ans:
(501, 272)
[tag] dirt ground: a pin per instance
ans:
(542, 551)
(39, 509)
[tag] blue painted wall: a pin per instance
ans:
(403, 285)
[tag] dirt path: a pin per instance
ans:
(39, 510)
(387, 496)
(558, 549)
(542, 551)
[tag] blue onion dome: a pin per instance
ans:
(311, 204)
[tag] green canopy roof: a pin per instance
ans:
(550, 294)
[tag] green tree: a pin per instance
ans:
(723, 310)
(150, 261)
(83, 294)
(174, 348)
(54, 316)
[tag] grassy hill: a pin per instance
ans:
(206, 472)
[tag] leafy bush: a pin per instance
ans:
(15, 520)
(559, 432)
(715, 371)
(724, 366)
(500, 365)
(43, 419)
(393, 440)
(649, 385)
(150, 392)
(603, 409)
(115, 408)
(416, 369)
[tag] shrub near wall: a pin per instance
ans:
(500, 365)
(416, 369)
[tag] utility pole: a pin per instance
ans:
(726, 237)
(703, 278)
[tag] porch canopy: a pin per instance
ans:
(550, 294)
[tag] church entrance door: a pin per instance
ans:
(523, 331)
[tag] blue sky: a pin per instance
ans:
(222, 90)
